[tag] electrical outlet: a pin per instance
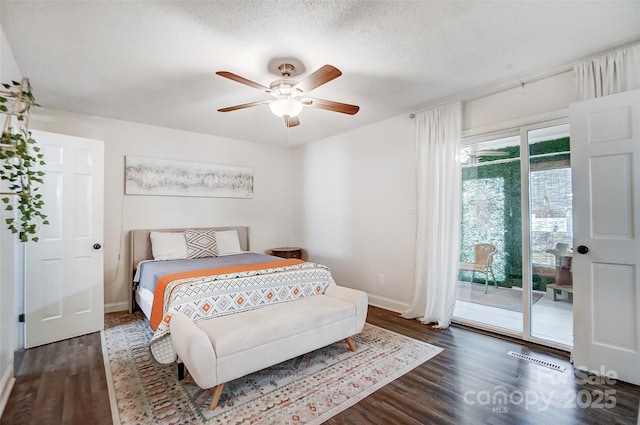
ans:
(380, 278)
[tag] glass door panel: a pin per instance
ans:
(551, 234)
(489, 288)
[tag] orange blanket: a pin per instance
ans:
(157, 310)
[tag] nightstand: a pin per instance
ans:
(287, 252)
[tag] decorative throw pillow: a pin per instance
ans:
(201, 243)
(228, 242)
(168, 246)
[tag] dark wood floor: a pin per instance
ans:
(60, 383)
(64, 383)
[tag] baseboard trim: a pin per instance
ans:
(387, 303)
(6, 385)
(114, 307)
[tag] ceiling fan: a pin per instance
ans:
(467, 154)
(290, 96)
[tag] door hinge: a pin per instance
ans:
(21, 318)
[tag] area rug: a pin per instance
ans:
(505, 298)
(306, 390)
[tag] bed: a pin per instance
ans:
(142, 252)
(219, 280)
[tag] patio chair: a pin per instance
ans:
(482, 261)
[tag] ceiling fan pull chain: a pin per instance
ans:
(287, 130)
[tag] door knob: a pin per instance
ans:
(97, 246)
(583, 249)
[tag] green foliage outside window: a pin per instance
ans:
(491, 210)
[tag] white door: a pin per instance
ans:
(64, 289)
(605, 155)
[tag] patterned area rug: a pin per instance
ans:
(506, 298)
(306, 390)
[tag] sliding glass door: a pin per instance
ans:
(490, 287)
(516, 236)
(551, 234)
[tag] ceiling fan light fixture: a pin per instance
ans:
(286, 107)
(464, 155)
(288, 100)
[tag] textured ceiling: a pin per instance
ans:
(154, 62)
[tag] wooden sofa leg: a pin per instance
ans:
(180, 371)
(217, 392)
(352, 346)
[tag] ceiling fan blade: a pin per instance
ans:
(244, 105)
(323, 75)
(239, 79)
(291, 121)
(330, 105)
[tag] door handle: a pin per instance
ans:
(582, 249)
(97, 246)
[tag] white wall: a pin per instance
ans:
(354, 205)
(8, 245)
(530, 99)
(268, 214)
(354, 208)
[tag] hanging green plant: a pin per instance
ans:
(21, 161)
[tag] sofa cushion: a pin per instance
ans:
(278, 321)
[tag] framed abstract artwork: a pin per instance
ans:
(167, 177)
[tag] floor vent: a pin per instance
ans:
(537, 361)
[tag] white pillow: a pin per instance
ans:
(228, 242)
(168, 246)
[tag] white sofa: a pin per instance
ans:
(218, 350)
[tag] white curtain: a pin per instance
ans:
(610, 73)
(438, 207)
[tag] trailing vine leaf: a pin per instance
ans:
(20, 156)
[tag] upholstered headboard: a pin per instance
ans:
(140, 241)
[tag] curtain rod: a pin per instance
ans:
(502, 87)
(495, 89)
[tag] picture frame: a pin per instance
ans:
(168, 177)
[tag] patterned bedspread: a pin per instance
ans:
(204, 297)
